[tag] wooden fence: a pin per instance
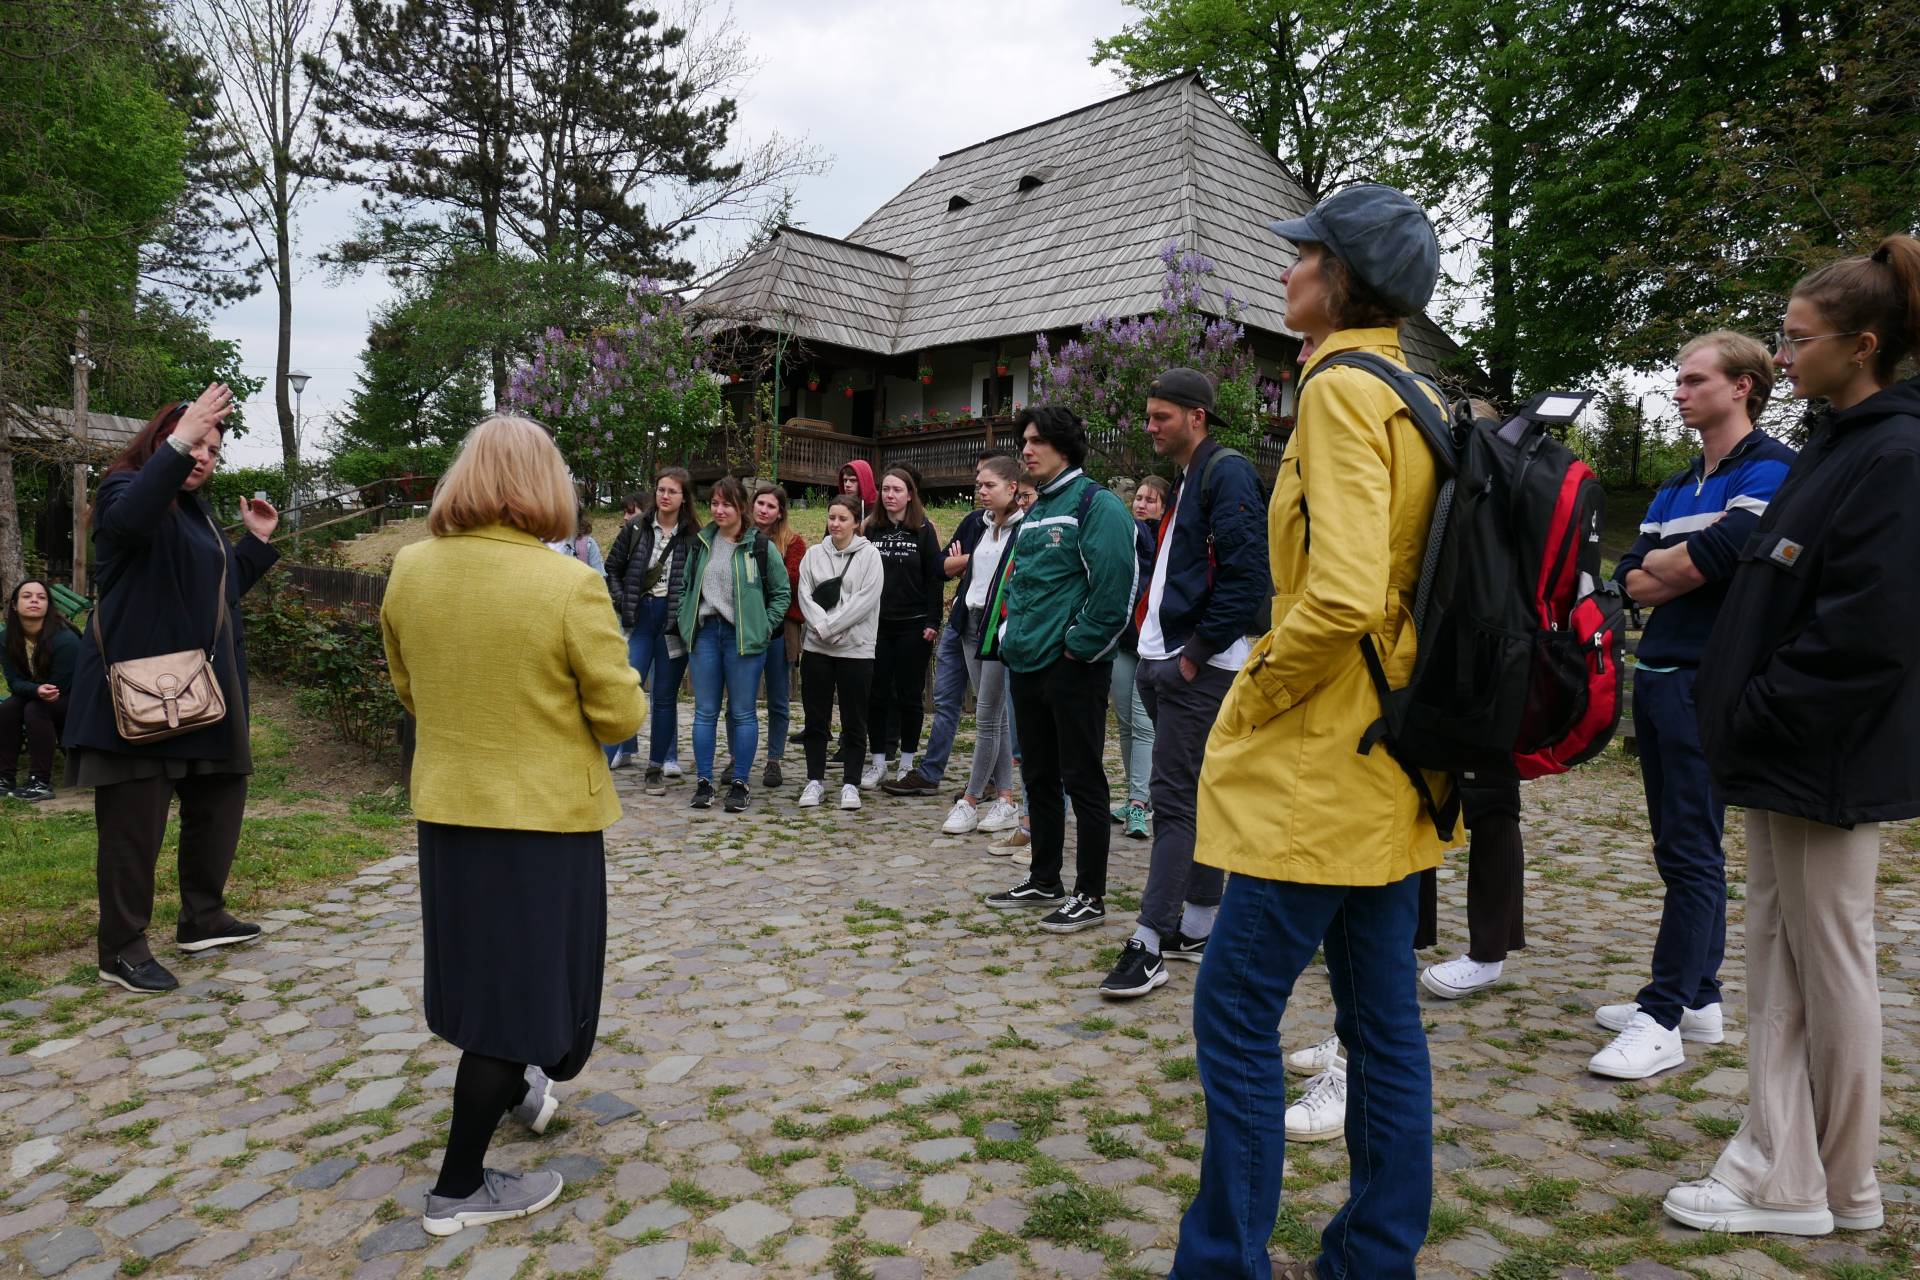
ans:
(335, 586)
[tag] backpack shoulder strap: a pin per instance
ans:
(1206, 476)
(1429, 412)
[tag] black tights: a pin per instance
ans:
(484, 1089)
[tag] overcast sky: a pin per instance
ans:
(881, 87)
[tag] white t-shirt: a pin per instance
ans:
(1153, 643)
(985, 563)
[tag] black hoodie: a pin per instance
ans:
(1809, 696)
(916, 574)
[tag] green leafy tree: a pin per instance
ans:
(411, 405)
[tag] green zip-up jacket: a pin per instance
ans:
(759, 599)
(1069, 581)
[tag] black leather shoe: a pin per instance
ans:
(914, 784)
(148, 978)
(223, 933)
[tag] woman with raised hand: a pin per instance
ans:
(645, 571)
(910, 608)
(169, 587)
(731, 609)
(783, 651)
(1810, 717)
(840, 584)
(512, 794)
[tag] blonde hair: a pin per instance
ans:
(507, 472)
(1739, 357)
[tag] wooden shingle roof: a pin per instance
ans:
(1047, 227)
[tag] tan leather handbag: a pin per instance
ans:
(170, 693)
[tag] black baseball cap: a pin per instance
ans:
(1189, 387)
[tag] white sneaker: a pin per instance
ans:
(1712, 1205)
(671, 770)
(1321, 1113)
(962, 818)
(871, 778)
(814, 792)
(1001, 815)
(1861, 1222)
(849, 796)
(1451, 979)
(619, 761)
(1321, 1057)
(1645, 1048)
(1704, 1025)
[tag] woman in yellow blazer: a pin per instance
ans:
(1324, 843)
(511, 661)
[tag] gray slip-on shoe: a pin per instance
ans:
(501, 1196)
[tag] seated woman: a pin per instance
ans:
(37, 653)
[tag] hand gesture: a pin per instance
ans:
(929, 635)
(259, 517)
(48, 692)
(206, 414)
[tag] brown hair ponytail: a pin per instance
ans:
(1877, 294)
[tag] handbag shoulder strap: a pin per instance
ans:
(220, 621)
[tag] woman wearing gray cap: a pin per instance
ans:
(1324, 843)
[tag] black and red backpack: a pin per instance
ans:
(1520, 640)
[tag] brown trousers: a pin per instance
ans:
(131, 818)
(1813, 1013)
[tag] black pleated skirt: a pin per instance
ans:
(516, 942)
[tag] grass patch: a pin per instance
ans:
(1074, 1216)
(49, 898)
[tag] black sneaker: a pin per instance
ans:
(703, 795)
(1028, 894)
(737, 797)
(37, 788)
(1181, 947)
(1137, 972)
(148, 978)
(914, 784)
(770, 776)
(1077, 913)
(656, 781)
(222, 933)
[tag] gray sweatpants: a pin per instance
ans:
(1183, 715)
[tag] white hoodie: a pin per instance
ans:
(848, 629)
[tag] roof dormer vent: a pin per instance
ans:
(961, 199)
(1035, 176)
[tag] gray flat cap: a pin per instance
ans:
(1384, 238)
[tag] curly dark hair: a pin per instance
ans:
(1059, 426)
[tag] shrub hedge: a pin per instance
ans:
(332, 657)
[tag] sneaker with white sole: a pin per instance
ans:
(1860, 1221)
(1645, 1048)
(1135, 973)
(536, 1109)
(1451, 979)
(849, 796)
(812, 794)
(1028, 894)
(962, 818)
(1076, 913)
(1321, 1113)
(1321, 1057)
(1002, 815)
(671, 771)
(871, 778)
(618, 760)
(1705, 1025)
(1712, 1205)
(501, 1196)
(1009, 840)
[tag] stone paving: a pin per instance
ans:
(820, 1056)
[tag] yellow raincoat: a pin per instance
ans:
(1284, 792)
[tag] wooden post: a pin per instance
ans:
(82, 366)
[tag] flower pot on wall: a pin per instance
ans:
(1000, 370)
(926, 379)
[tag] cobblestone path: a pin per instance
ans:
(820, 1056)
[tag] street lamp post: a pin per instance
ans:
(298, 381)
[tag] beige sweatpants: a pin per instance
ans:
(1813, 1014)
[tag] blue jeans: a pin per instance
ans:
(720, 670)
(1264, 937)
(647, 654)
(949, 696)
(1687, 819)
(1136, 728)
(779, 695)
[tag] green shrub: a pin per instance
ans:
(331, 655)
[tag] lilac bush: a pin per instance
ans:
(622, 397)
(1103, 374)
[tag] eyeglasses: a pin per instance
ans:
(1788, 349)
